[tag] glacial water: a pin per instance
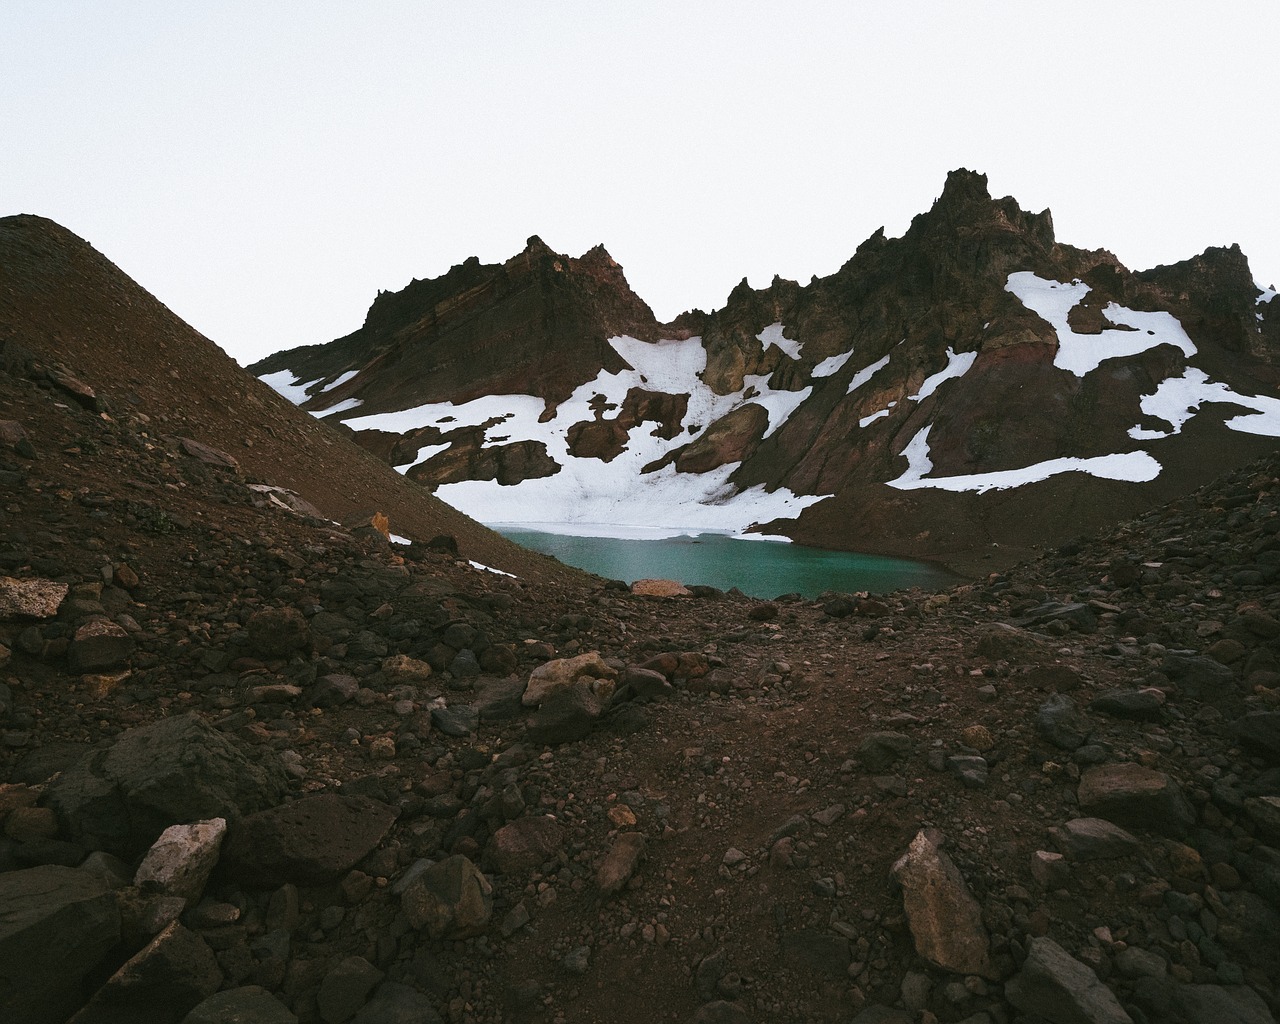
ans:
(764, 569)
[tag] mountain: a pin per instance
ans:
(259, 765)
(67, 305)
(972, 383)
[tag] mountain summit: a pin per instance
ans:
(972, 383)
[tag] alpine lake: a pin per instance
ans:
(759, 568)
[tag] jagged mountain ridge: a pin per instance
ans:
(921, 400)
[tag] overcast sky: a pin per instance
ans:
(265, 167)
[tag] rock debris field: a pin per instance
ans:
(261, 767)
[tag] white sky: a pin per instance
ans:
(265, 167)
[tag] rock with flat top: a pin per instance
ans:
(1135, 797)
(660, 588)
(562, 673)
(181, 860)
(30, 598)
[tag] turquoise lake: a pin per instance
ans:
(763, 569)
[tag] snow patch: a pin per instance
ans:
(346, 405)
(957, 366)
(831, 365)
(424, 453)
(481, 567)
(284, 383)
(866, 420)
(865, 374)
(1082, 353)
(1267, 295)
(397, 539)
(1178, 399)
(772, 335)
(339, 382)
(1132, 467)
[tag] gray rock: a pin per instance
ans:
(1062, 990)
(161, 984)
(566, 714)
(1060, 722)
(393, 1003)
(1136, 962)
(1221, 1004)
(879, 750)
(346, 988)
(331, 691)
(945, 919)
(175, 770)
(1260, 732)
(1198, 676)
(524, 844)
(1137, 705)
(1135, 797)
(308, 842)
(250, 1004)
(56, 924)
(278, 632)
(98, 646)
(970, 769)
(458, 721)
(451, 899)
(1093, 839)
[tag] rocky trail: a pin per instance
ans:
(261, 767)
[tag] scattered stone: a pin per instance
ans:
(1061, 989)
(1137, 705)
(1084, 839)
(562, 674)
(945, 919)
(56, 926)
(250, 1004)
(1060, 722)
(525, 844)
(1198, 676)
(569, 713)
(621, 862)
(660, 588)
(181, 860)
(311, 841)
(879, 750)
(1135, 797)
(452, 899)
(99, 645)
(30, 598)
(278, 632)
(346, 988)
(176, 770)
(969, 769)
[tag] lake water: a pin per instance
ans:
(763, 569)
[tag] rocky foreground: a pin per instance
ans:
(261, 768)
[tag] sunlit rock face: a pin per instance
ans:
(972, 383)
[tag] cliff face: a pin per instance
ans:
(972, 382)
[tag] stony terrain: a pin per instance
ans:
(258, 766)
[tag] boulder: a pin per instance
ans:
(30, 598)
(394, 1003)
(1093, 839)
(945, 919)
(1058, 987)
(99, 645)
(569, 713)
(1135, 797)
(56, 925)
(161, 984)
(1198, 676)
(250, 1004)
(1259, 731)
(1061, 723)
(310, 841)
(181, 860)
(660, 588)
(524, 844)
(562, 674)
(278, 632)
(173, 771)
(452, 899)
(346, 988)
(881, 749)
